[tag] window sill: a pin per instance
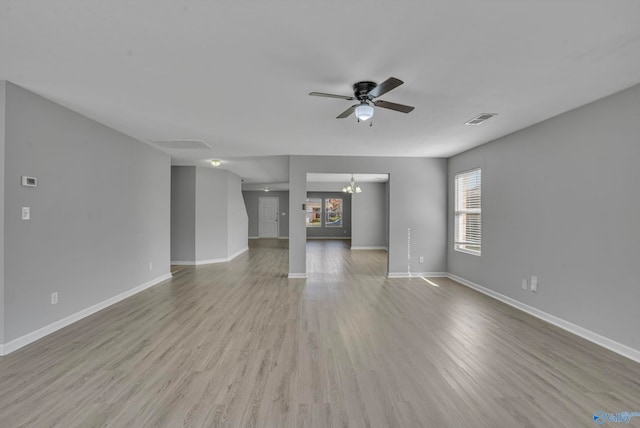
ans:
(472, 253)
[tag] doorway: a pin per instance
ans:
(333, 213)
(268, 209)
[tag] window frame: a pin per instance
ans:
(458, 244)
(308, 201)
(325, 219)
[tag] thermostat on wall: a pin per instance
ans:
(29, 181)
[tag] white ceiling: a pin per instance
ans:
(236, 74)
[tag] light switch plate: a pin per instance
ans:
(26, 213)
(534, 284)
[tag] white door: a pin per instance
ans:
(268, 217)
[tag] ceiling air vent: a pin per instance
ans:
(180, 144)
(480, 118)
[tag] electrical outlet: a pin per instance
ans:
(421, 259)
(534, 284)
(26, 213)
(524, 284)
(150, 265)
(54, 298)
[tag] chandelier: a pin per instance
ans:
(352, 187)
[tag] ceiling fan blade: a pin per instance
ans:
(385, 87)
(393, 106)
(347, 112)
(322, 94)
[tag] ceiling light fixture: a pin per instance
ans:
(266, 189)
(364, 111)
(352, 187)
(216, 162)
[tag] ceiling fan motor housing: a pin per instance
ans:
(361, 90)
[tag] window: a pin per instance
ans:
(468, 212)
(314, 212)
(333, 212)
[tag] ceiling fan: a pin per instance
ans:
(365, 92)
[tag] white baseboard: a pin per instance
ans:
(297, 275)
(28, 338)
(206, 262)
(254, 237)
(612, 345)
(415, 274)
(237, 253)
(369, 247)
(211, 261)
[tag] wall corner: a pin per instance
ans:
(3, 103)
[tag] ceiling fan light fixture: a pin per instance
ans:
(364, 112)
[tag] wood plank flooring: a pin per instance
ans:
(240, 345)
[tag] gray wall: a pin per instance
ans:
(211, 214)
(183, 213)
(369, 219)
(386, 219)
(417, 201)
(212, 220)
(560, 201)
(251, 199)
(332, 232)
(2, 171)
(238, 223)
(99, 215)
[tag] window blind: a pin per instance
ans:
(468, 212)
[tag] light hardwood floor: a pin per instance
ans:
(238, 344)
